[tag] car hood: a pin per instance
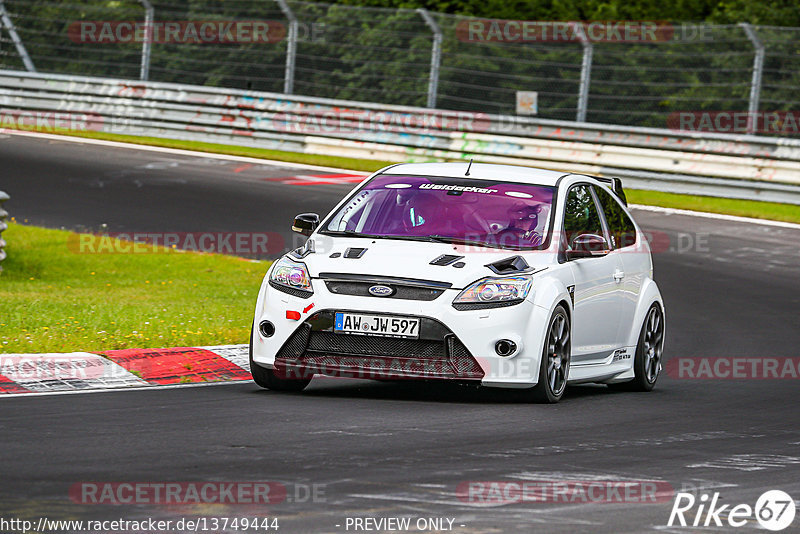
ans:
(410, 259)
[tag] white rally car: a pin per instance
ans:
(487, 274)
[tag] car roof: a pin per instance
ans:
(479, 171)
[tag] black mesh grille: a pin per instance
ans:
(377, 367)
(329, 342)
(296, 345)
(437, 354)
(291, 291)
(361, 289)
(468, 306)
(461, 360)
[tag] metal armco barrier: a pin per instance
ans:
(3, 225)
(734, 166)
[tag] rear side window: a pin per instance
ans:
(620, 226)
(580, 214)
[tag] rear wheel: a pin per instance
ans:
(554, 369)
(266, 378)
(649, 350)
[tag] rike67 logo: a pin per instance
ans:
(774, 510)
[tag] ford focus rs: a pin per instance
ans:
(493, 275)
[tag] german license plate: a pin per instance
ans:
(376, 325)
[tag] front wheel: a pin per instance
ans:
(554, 369)
(267, 379)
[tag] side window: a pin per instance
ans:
(354, 216)
(620, 226)
(580, 214)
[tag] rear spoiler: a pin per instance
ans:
(616, 186)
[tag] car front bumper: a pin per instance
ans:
(453, 344)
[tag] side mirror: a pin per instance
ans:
(305, 223)
(587, 246)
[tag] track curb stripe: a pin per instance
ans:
(9, 387)
(121, 369)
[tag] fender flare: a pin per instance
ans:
(647, 296)
(553, 292)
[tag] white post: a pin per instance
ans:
(147, 45)
(436, 56)
(755, 83)
(12, 31)
(586, 71)
(291, 47)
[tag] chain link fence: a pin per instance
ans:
(589, 72)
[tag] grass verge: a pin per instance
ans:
(339, 162)
(57, 300)
(742, 208)
(726, 206)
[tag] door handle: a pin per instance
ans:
(618, 276)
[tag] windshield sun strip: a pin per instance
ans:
(547, 233)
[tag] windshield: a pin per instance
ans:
(482, 212)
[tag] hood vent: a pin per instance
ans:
(354, 253)
(512, 265)
(445, 259)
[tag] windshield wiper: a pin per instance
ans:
(353, 233)
(460, 241)
(473, 242)
(425, 238)
(347, 233)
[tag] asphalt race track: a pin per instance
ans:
(373, 449)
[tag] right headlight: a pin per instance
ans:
(291, 274)
(494, 292)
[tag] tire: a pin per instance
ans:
(267, 379)
(649, 352)
(554, 367)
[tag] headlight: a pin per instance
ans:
(494, 293)
(291, 275)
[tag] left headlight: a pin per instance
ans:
(291, 275)
(494, 292)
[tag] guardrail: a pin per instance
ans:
(3, 225)
(735, 166)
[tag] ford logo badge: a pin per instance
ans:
(381, 291)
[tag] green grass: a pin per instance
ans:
(55, 299)
(726, 206)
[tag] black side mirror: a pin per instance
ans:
(587, 246)
(305, 223)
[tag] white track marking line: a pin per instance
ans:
(177, 151)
